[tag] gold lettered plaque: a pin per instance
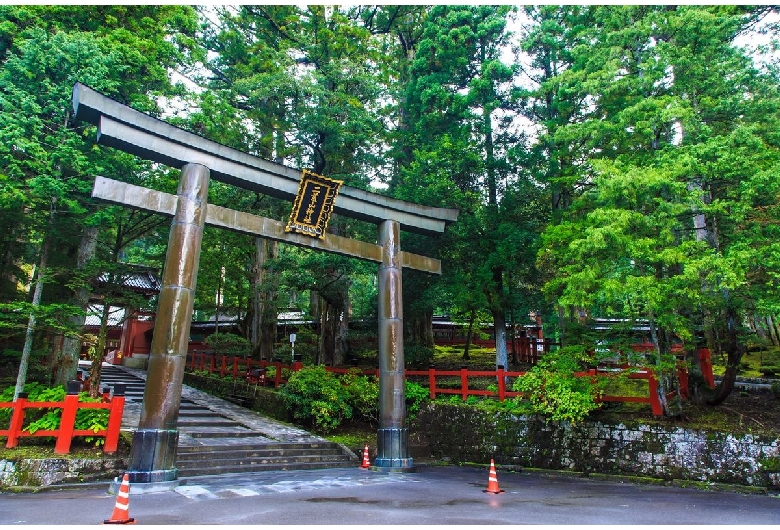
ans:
(313, 205)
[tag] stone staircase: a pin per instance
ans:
(216, 436)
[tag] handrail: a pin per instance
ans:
(70, 407)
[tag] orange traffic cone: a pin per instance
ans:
(121, 513)
(493, 480)
(366, 464)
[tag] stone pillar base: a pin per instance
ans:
(144, 487)
(393, 451)
(153, 456)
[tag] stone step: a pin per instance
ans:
(211, 432)
(212, 443)
(206, 421)
(238, 461)
(189, 406)
(194, 412)
(240, 454)
(298, 466)
(260, 443)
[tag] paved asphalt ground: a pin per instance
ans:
(431, 496)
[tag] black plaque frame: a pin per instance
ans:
(313, 205)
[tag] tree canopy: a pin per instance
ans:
(607, 161)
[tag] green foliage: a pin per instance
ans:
(324, 400)
(416, 395)
(771, 465)
(306, 345)
(317, 397)
(553, 390)
(363, 392)
(228, 344)
(418, 356)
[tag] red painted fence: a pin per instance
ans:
(240, 368)
(70, 406)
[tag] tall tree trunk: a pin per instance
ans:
(325, 353)
(469, 334)
(499, 325)
(264, 311)
(660, 347)
(99, 353)
(24, 362)
(426, 333)
(772, 331)
(341, 332)
(418, 328)
(499, 317)
(734, 351)
(66, 363)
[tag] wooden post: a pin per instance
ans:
(432, 381)
(278, 375)
(115, 419)
(501, 383)
(68, 419)
(655, 401)
(464, 382)
(17, 420)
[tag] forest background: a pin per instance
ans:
(607, 161)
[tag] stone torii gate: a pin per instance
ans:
(153, 453)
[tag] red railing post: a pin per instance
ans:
(223, 366)
(655, 401)
(115, 419)
(464, 382)
(501, 383)
(17, 421)
(705, 361)
(432, 381)
(535, 351)
(278, 376)
(296, 366)
(682, 376)
(68, 420)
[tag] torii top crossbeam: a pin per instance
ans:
(137, 133)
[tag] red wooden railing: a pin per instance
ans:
(66, 431)
(241, 368)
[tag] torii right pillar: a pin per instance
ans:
(393, 435)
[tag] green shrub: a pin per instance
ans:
(363, 394)
(418, 356)
(228, 344)
(317, 397)
(415, 395)
(552, 389)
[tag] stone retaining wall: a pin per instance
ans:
(32, 473)
(466, 434)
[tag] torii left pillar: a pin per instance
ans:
(153, 452)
